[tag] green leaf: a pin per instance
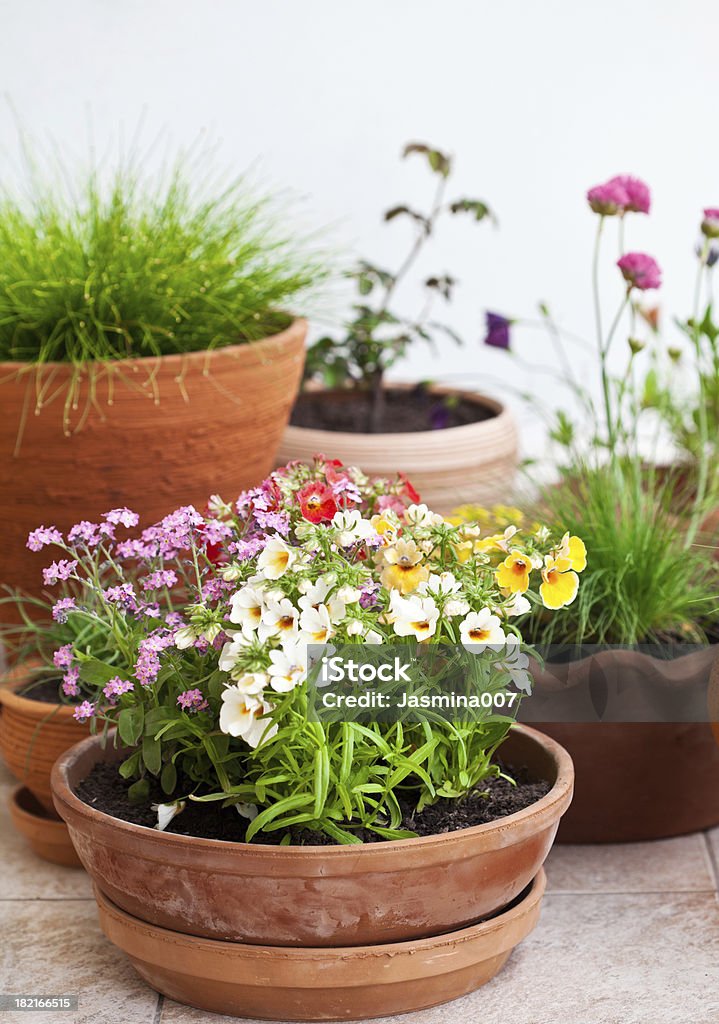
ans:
(168, 778)
(130, 724)
(131, 765)
(290, 803)
(439, 162)
(152, 754)
(139, 792)
(476, 207)
(95, 672)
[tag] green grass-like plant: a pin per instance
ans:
(143, 268)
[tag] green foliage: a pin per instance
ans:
(143, 269)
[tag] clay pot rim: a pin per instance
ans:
(523, 906)
(56, 826)
(68, 804)
(38, 709)
(262, 346)
(500, 411)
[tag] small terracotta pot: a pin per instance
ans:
(46, 833)
(159, 433)
(459, 465)
(33, 734)
(638, 780)
(321, 984)
(317, 895)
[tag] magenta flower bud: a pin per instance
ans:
(608, 199)
(710, 224)
(640, 270)
(639, 199)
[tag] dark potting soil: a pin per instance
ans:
(106, 790)
(47, 691)
(404, 412)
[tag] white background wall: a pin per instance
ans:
(538, 100)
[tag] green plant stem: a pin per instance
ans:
(703, 424)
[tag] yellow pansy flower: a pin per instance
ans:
(513, 573)
(402, 570)
(559, 582)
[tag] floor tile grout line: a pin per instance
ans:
(631, 892)
(711, 857)
(157, 1019)
(46, 899)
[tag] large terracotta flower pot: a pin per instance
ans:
(151, 434)
(635, 780)
(321, 984)
(33, 734)
(321, 895)
(450, 467)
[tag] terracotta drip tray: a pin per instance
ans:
(303, 984)
(46, 833)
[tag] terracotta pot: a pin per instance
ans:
(214, 429)
(46, 833)
(321, 895)
(33, 734)
(321, 984)
(638, 780)
(470, 464)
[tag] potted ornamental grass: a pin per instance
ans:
(253, 856)
(144, 325)
(629, 658)
(455, 444)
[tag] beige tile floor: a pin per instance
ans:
(628, 935)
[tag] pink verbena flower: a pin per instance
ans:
(70, 682)
(608, 199)
(640, 270)
(710, 224)
(43, 536)
(192, 701)
(115, 687)
(62, 607)
(84, 711)
(639, 198)
(161, 578)
(62, 658)
(58, 571)
(122, 517)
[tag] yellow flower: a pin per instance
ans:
(386, 527)
(559, 582)
(513, 573)
(402, 570)
(574, 551)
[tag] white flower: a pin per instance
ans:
(184, 638)
(349, 595)
(251, 683)
(373, 637)
(480, 629)
(352, 527)
(414, 616)
(518, 606)
(288, 668)
(503, 544)
(276, 558)
(354, 627)
(232, 649)
(166, 812)
(316, 625)
(279, 618)
(247, 605)
(422, 516)
(516, 663)
(319, 593)
(247, 810)
(445, 588)
(241, 716)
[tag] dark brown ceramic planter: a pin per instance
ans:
(151, 434)
(317, 896)
(638, 781)
(321, 984)
(33, 734)
(47, 834)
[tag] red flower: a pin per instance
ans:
(214, 551)
(317, 502)
(409, 490)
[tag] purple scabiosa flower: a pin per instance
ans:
(88, 533)
(70, 682)
(608, 199)
(58, 571)
(84, 711)
(62, 658)
(640, 270)
(62, 608)
(497, 335)
(43, 536)
(638, 196)
(115, 688)
(159, 579)
(121, 517)
(192, 701)
(710, 223)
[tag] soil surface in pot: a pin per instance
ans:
(106, 790)
(404, 412)
(47, 691)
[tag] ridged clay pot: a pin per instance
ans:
(473, 464)
(636, 780)
(33, 734)
(45, 832)
(321, 895)
(321, 984)
(214, 428)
